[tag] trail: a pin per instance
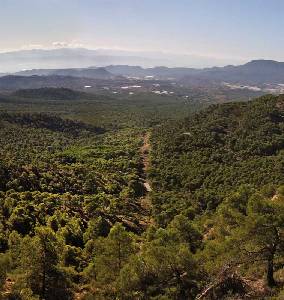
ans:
(139, 220)
(144, 150)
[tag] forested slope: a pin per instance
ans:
(52, 94)
(199, 161)
(73, 219)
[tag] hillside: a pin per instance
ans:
(51, 94)
(13, 83)
(47, 155)
(203, 159)
(50, 122)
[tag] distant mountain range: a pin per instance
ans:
(93, 73)
(82, 58)
(108, 64)
(254, 72)
(65, 58)
(257, 72)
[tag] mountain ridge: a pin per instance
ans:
(14, 61)
(94, 73)
(254, 72)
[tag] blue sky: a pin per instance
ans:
(242, 29)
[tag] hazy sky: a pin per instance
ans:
(220, 28)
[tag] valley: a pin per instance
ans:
(144, 189)
(141, 150)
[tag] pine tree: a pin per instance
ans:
(39, 263)
(248, 231)
(165, 267)
(111, 254)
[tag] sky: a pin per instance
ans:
(230, 29)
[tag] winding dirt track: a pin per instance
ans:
(145, 149)
(145, 160)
